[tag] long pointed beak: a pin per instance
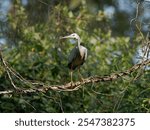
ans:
(64, 37)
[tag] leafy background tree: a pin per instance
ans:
(30, 30)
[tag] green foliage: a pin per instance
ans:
(36, 52)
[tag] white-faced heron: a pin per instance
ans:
(77, 56)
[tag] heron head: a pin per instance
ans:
(73, 35)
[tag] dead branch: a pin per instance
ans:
(75, 86)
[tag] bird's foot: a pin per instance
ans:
(71, 84)
(81, 79)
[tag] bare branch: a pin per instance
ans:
(78, 84)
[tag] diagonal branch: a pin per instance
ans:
(71, 87)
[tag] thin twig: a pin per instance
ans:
(43, 2)
(8, 73)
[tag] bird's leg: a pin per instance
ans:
(80, 74)
(71, 77)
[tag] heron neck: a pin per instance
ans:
(79, 44)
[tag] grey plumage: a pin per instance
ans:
(76, 57)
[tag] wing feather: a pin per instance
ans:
(73, 54)
(77, 58)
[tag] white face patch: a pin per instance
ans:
(74, 35)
